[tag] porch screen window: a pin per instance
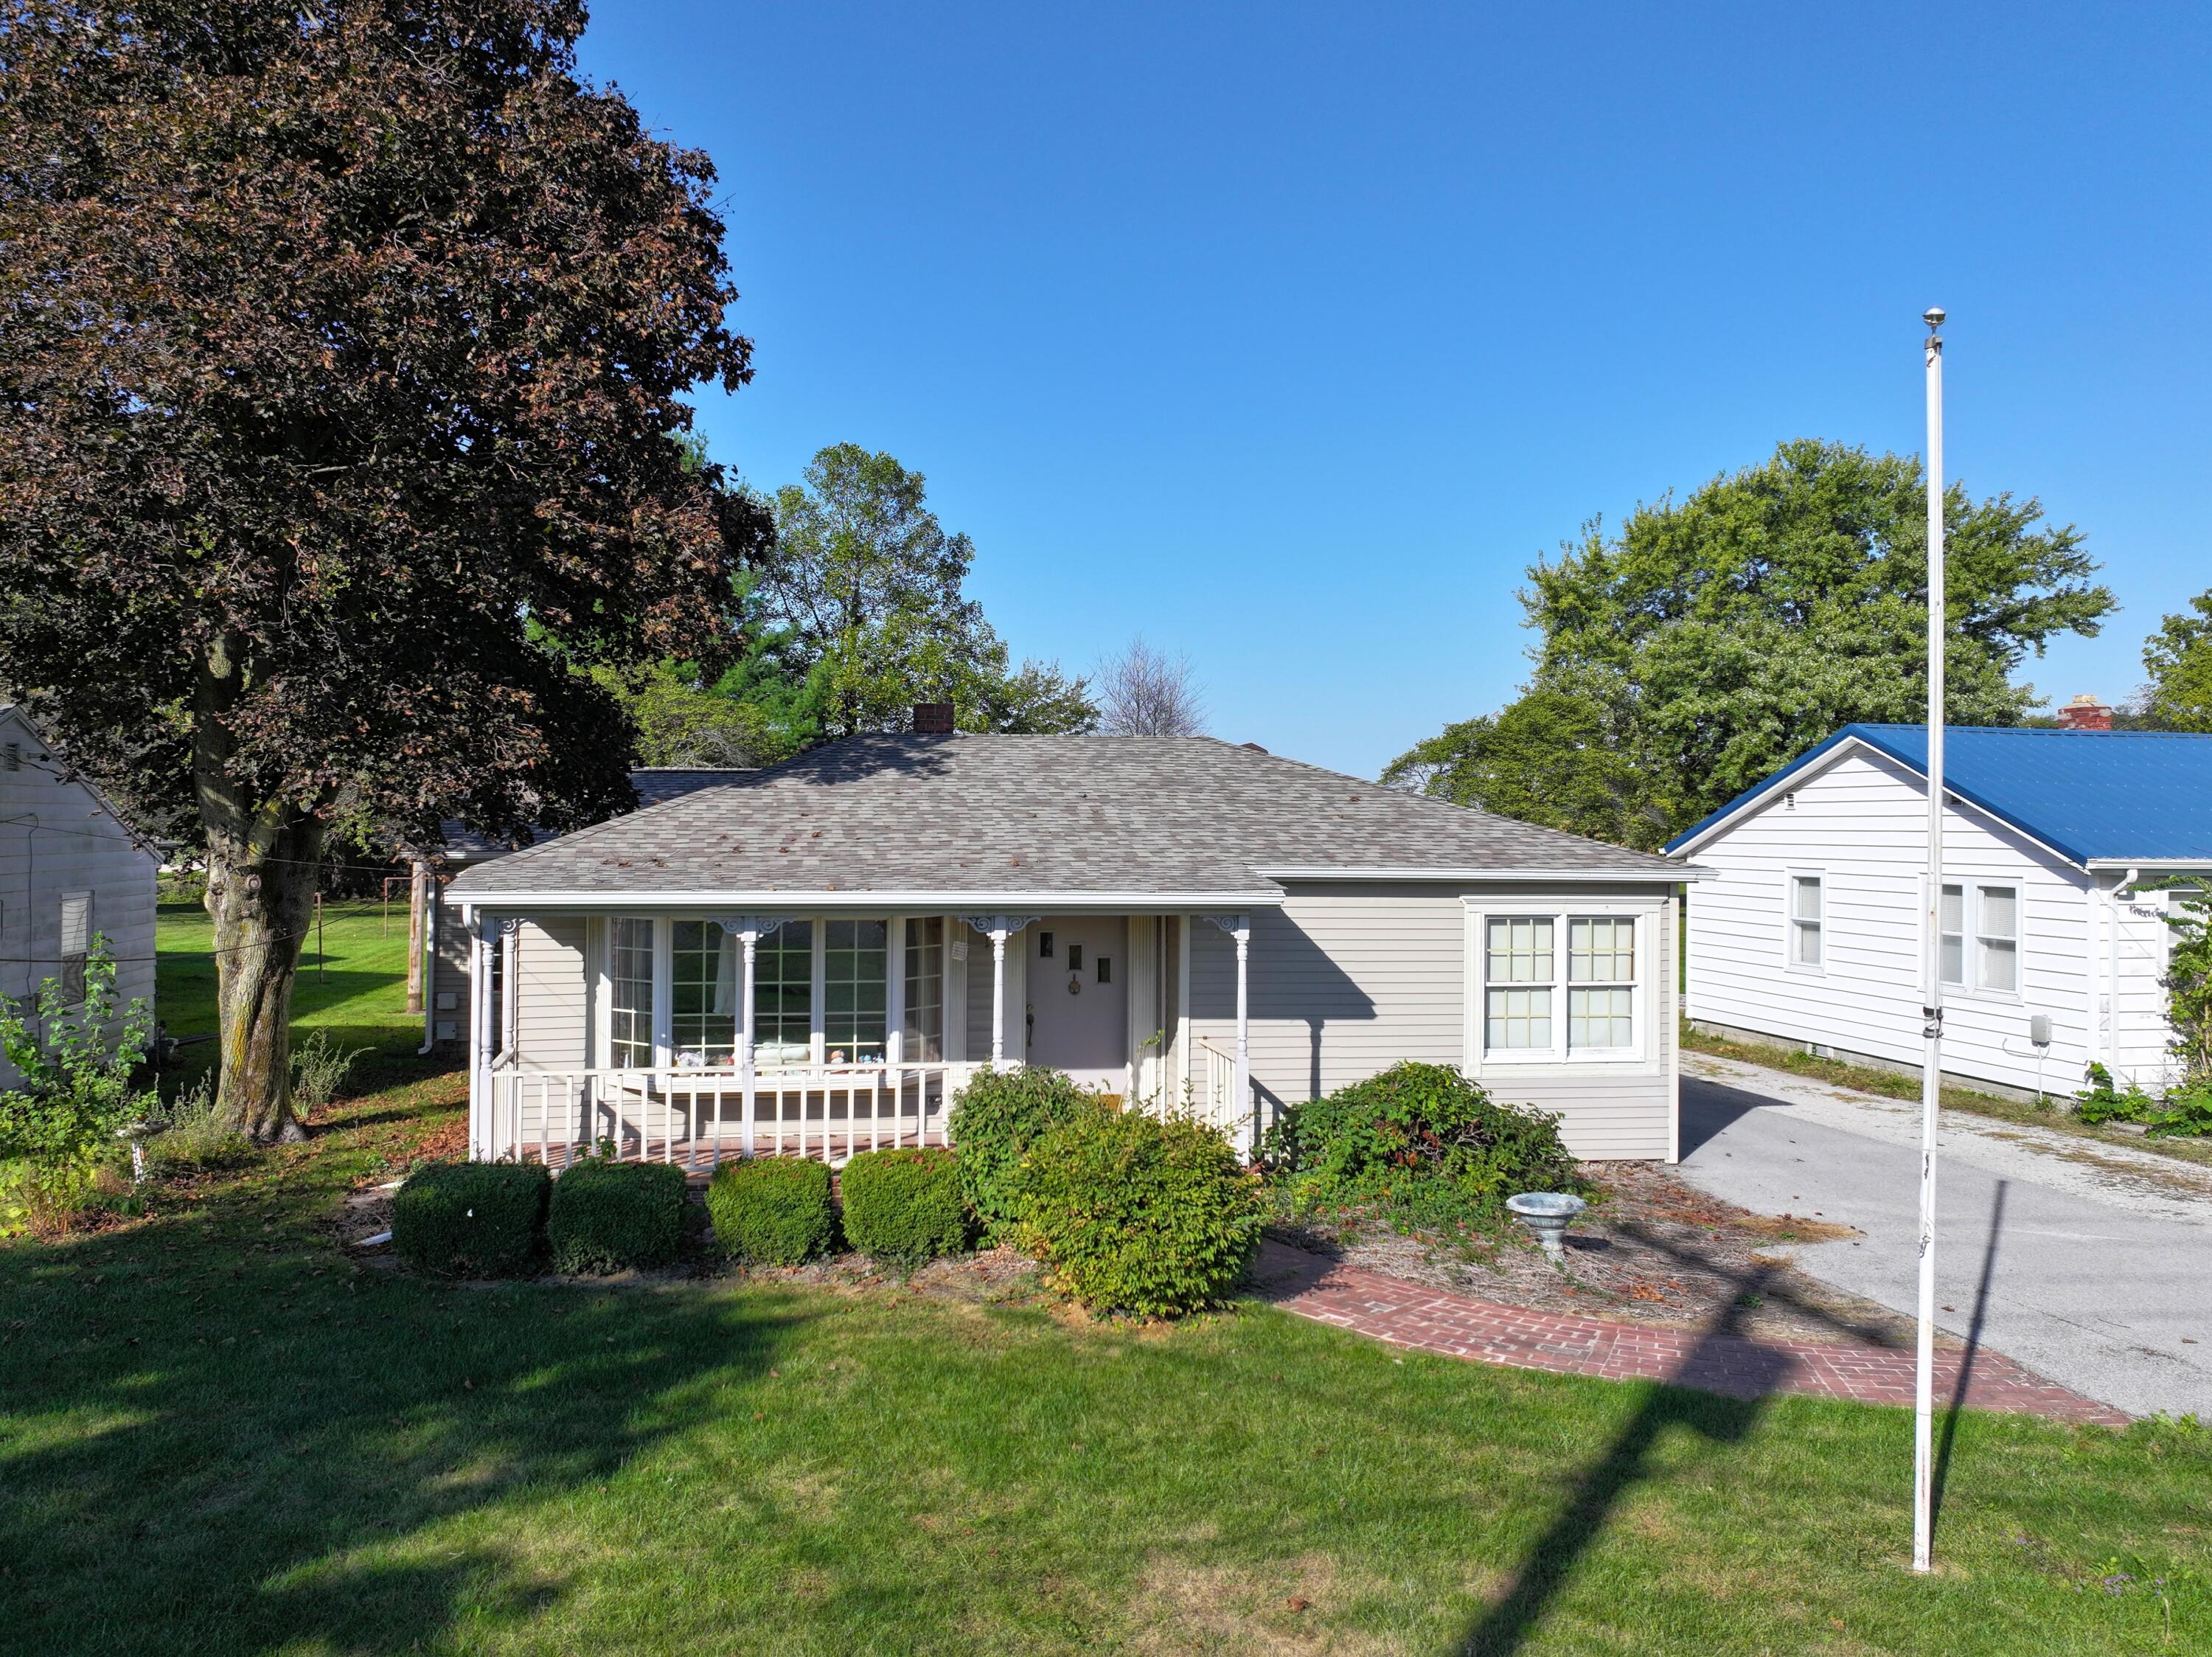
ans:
(629, 1000)
(77, 944)
(783, 993)
(923, 1041)
(1518, 970)
(703, 1020)
(1806, 919)
(1601, 982)
(855, 961)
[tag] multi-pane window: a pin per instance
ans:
(1601, 982)
(629, 999)
(783, 993)
(923, 1040)
(1558, 985)
(1518, 969)
(704, 988)
(1807, 921)
(1992, 944)
(77, 944)
(855, 962)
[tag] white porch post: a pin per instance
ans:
(998, 995)
(746, 930)
(480, 1039)
(1244, 933)
(510, 1001)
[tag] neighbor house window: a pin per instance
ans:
(629, 1000)
(1518, 968)
(1601, 982)
(1984, 954)
(855, 964)
(1559, 986)
(783, 993)
(77, 944)
(923, 1040)
(704, 1015)
(1807, 921)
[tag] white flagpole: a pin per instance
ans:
(1931, 1077)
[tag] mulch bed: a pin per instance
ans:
(1652, 1250)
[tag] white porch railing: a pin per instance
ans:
(695, 1117)
(1237, 1119)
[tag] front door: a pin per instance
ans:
(1079, 997)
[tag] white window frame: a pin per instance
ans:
(1562, 911)
(82, 954)
(1790, 922)
(1973, 891)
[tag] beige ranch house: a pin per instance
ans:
(813, 958)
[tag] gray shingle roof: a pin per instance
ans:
(655, 784)
(1018, 816)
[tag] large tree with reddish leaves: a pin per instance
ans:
(341, 349)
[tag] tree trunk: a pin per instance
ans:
(262, 906)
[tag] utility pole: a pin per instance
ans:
(1931, 966)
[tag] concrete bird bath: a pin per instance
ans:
(1547, 1214)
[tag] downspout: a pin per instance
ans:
(431, 970)
(2113, 972)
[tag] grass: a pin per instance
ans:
(354, 987)
(1869, 1079)
(220, 1433)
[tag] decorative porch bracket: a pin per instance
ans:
(998, 928)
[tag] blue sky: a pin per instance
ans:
(1289, 335)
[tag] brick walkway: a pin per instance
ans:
(1403, 1313)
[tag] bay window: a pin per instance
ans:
(1558, 987)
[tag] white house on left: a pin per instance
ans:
(71, 870)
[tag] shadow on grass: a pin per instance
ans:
(222, 1438)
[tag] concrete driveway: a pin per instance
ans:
(2089, 1262)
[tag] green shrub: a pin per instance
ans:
(610, 1216)
(193, 1138)
(1423, 1145)
(472, 1219)
(2185, 1113)
(2100, 1101)
(772, 1209)
(1137, 1214)
(999, 1115)
(904, 1205)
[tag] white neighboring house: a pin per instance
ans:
(71, 868)
(2058, 847)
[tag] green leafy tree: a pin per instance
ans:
(340, 345)
(867, 594)
(1710, 641)
(2179, 658)
(75, 1057)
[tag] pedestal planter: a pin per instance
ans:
(1547, 1214)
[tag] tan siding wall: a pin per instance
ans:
(1347, 980)
(59, 838)
(550, 1015)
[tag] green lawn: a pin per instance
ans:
(220, 1434)
(354, 987)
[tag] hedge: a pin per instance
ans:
(472, 1219)
(1137, 1214)
(904, 1205)
(610, 1216)
(1421, 1143)
(997, 1117)
(772, 1209)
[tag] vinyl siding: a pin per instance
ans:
(552, 1016)
(1861, 825)
(56, 837)
(1346, 980)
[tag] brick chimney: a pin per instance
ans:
(2085, 713)
(935, 719)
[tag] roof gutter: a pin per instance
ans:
(1555, 876)
(774, 900)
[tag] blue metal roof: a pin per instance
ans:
(2116, 796)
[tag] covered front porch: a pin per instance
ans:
(824, 1030)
